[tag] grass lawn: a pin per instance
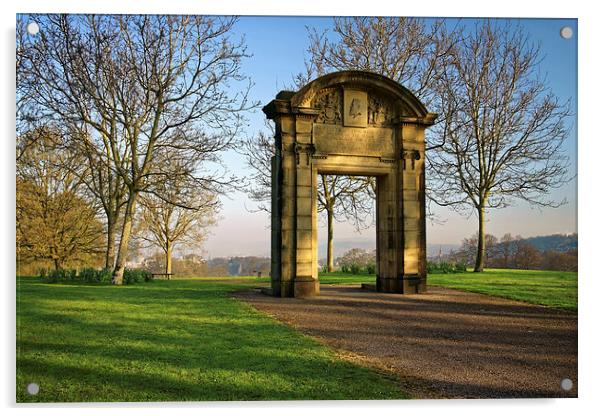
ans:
(549, 288)
(172, 340)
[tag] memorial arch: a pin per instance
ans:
(349, 123)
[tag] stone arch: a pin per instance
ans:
(361, 80)
(354, 123)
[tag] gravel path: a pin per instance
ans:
(445, 343)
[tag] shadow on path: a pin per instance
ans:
(445, 343)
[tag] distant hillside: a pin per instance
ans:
(342, 246)
(433, 250)
(556, 242)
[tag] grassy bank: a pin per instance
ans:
(177, 340)
(549, 288)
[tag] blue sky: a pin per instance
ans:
(278, 46)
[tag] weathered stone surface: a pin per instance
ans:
(331, 139)
(349, 123)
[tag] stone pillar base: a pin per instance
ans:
(296, 289)
(306, 288)
(282, 288)
(407, 285)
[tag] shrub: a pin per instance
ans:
(355, 268)
(52, 276)
(91, 275)
(131, 276)
(105, 275)
(357, 261)
(370, 268)
(88, 275)
(445, 267)
(59, 275)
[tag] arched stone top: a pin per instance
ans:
(378, 84)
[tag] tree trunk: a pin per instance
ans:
(168, 255)
(110, 254)
(57, 264)
(480, 261)
(128, 219)
(329, 254)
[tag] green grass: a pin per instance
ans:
(177, 340)
(549, 288)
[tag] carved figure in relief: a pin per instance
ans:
(379, 112)
(355, 109)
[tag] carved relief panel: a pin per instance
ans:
(380, 111)
(355, 108)
(329, 102)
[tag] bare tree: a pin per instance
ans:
(27, 114)
(502, 127)
(468, 248)
(344, 198)
(526, 256)
(403, 49)
(95, 171)
(167, 226)
(506, 249)
(104, 184)
(258, 151)
(144, 86)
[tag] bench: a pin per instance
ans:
(167, 275)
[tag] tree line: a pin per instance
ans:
(507, 252)
(515, 252)
(122, 121)
(194, 265)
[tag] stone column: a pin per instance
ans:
(401, 240)
(294, 202)
(306, 273)
(276, 223)
(388, 234)
(414, 247)
(284, 247)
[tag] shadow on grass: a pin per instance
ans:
(172, 341)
